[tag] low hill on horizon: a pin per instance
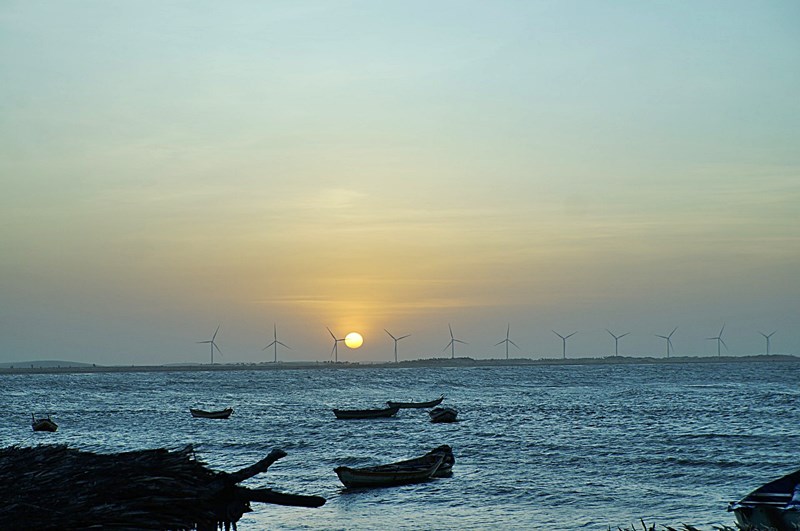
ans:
(44, 364)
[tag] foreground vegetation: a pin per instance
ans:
(683, 527)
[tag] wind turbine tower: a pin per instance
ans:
(335, 350)
(767, 336)
(213, 344)
(564, 342)
(452, 343)
(396, 339)
(668, 339)
(719, 341)
(507, 341)
(616, 340)
(275, 343)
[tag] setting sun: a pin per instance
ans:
(353, 340)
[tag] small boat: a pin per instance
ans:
(775, 505)
(44, 424)
(443, 414)
(365, 413)
(407, 405)
(199, 413)
(436, 463)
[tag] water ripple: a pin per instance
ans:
(558, 447)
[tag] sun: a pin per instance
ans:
(353, 340)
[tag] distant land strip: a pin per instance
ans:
(73, 367)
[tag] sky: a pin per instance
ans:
(171, 167)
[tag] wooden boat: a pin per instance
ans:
(44, 424)
(199, 413)
(443, 414)
(406, 405)
(436, 463)
(365, 413)
(775, 505)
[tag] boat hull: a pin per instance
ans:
(365, 413)
(44, 425)
(762, 518)
(410, 405)
(443, 414)
(436, 463)
(775, 505)
(199, 413)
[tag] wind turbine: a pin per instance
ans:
(616, 340)
(275, 343)
(335, 350)
(668, 339)
(767, 336)
(396, 339)
(452, 343)
(564, 341)
(719, 341)
(213, 345)
(507, 341)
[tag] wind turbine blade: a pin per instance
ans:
(215, 332)
(556, 333)
(403, 337)
(721, 329)
(451, 330)
(723, 343)
(623, 335)
(204, 341)
(508, 330)
(514, 344)
(462, 342)
(572, 334)
(612, 333)
(673, 331)
(662, 337)
(390, 334)
(331, 333)
(447, 345)
(285, 345)
(501, 342)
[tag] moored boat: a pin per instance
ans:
(199, 413)
(443, 414)
(365, 413)
(408, 405)
(436, 463)
(775, 505)
(43, 424)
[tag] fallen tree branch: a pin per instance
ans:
(59, 488)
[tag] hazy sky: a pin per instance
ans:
(569, 165)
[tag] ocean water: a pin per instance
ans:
(537, 447)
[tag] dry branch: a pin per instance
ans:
(54, 487)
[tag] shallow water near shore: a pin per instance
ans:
(536, 447)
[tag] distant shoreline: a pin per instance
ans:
(431, 362)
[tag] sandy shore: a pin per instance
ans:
(32, 368)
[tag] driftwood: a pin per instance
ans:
(55, 487)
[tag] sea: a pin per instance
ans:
(555, 447)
